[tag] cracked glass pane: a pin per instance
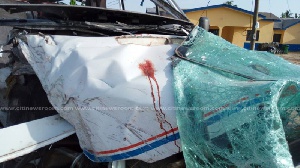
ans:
(237, 108)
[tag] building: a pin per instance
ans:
(287, 31)
(234, 25)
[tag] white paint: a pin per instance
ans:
(257, 25)
(24, 138)
(89, 74)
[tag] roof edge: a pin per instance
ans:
(284, 28)
(274, 20)
(223, 5)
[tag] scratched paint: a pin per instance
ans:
(148, 70)
(98, 78)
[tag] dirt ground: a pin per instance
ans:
(293, 57)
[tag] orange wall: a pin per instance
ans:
(233, 25)
(292, 35)
(265, 31)
(221, 17)
(239, 36)
(228, 33)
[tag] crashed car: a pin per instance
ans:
(103, 71)
(140, 90)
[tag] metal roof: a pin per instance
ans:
(222, 5)
(270, 17)
(286, 23)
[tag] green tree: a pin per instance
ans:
(230, 3)
(72, 2)
(287, 14)
(296, 15)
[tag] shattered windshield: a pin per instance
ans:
(238, 109)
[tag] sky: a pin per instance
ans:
(274, 6)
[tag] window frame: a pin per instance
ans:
(249, 37)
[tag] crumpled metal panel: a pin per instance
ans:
(118, 97)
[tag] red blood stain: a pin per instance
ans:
(148, 70)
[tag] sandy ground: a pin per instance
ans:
(293, 57)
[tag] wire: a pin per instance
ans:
(207, 3)
(287, 1)
(270, 7)
(250, 22)
(207, 6)
(205, 10)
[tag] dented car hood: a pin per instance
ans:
(115, 91)
(114, 87)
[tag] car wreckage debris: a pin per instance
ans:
(134, 88)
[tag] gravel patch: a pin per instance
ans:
(293, 57)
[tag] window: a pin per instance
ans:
(249, 37)
(135, 6)
(277, 38)
(214, 31)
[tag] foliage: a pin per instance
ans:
(72, 2)
(230, 3)
(287, 14)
